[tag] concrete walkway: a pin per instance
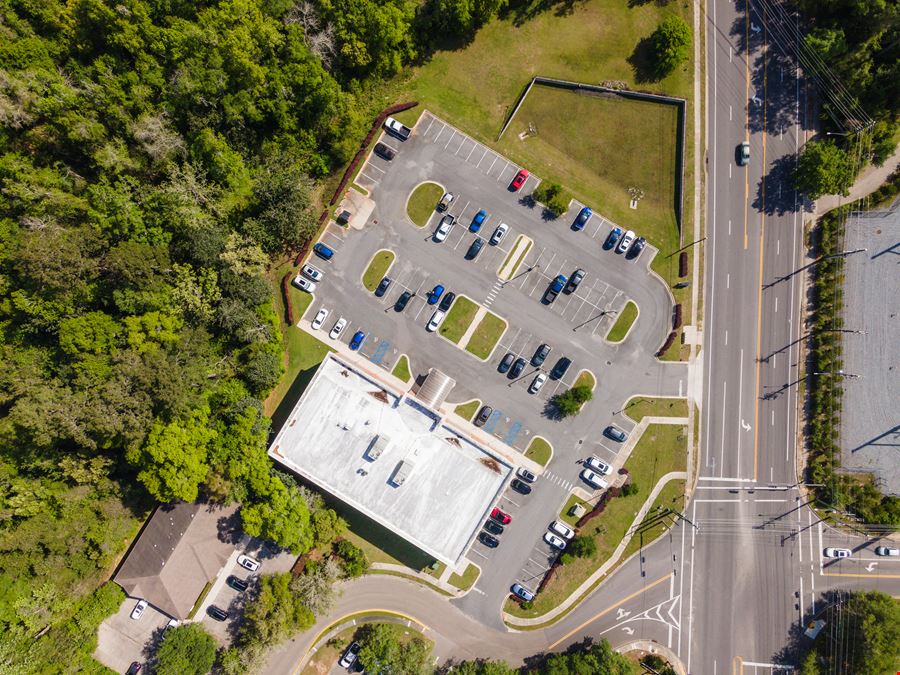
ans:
(870, 179)
(577, 594)
(439, 583)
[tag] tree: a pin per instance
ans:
(570, 402)
(824, 168)
(483, 667)
(582, 546)
(553, 197)
(354, 558)
(671, 43)
(597, 658)
(275, 613)
(315, 587)
(327, 526)
(382, 651)
(186, 650)
(464, 17)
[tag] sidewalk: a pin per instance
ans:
(870, 179)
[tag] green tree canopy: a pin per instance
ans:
(671, 45)
(824, 168)
(186, 650)
(570, 401)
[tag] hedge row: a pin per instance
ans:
(286, 294)
(676, 320)
(668, 343)
(889, 190)
(363, 149)
(683, 264)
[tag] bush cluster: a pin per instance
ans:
(553, 197)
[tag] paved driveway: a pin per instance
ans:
(121, 639)
(574, 325)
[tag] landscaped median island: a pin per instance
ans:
(458, 319)
(422, 202)
(639, 407)
(465, 580)
(378, 267)
(515, 257)
(486, 336)
(467, 410)
(661, 449)
(623, 323)
(401, 370)
(539, 450)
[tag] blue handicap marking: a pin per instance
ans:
(491, 424)
(383, 346)
(513, 433)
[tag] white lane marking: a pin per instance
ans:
(773, 418)
(461, 146)
(727, 281)
(776, 303)
(429, 127)
(724, 397)
(691, 582)
(496, 157)
(729, 228)
(729, 113)
(740, 409)
(778, 247)
(720, 479)
(439, 134)
(820, 545)
(452, 136)
(726, 337)
(470, 152)
(483, 155)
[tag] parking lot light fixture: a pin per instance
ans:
(841, 373)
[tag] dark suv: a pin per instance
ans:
(506, 362)
(540, 355)
(574, 280)
(237, 583)
(517, 368)
(475, 249)
(447, 301)
(559, 370)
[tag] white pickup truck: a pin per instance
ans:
(394, 128)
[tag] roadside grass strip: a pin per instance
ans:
(639, 407)
(378, 267)
(422, 203)
(467, 579)
(515, 257)
(539, 450)
(458, 319)
(661, 449)
(401, 370)
(467, 410)
(623, 323)
(486, 336)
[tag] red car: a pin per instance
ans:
(519, 180)
(501, 517)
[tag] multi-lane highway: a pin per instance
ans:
(727, 589)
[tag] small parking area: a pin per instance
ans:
(122, 640)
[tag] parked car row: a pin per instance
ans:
(624, 243)
(594, 472)
(310, 275)
(512, 367)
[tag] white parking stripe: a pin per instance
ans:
(439, 134)
(482, 157)
(429, 127)
(450, 139)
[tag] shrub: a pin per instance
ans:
(569, 402)
(683, 264)
(354, 559)
(630, 489)
(286, 294)
(186, 649)
(583, 546)
(668, 343)
(676, 320)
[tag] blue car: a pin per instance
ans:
(435, 294)
(583, 217)
(478, 221)
(323, 251)
(612, 238)
(357, 340)
(554, 289)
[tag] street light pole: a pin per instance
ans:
(841, 373)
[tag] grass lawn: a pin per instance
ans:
(328, 654)
(467, 410)
(570, 502)
(378, 267)
(657, 522)
(486, 335)
(304, 353)
(638, 407)
(464, 582)
(422, 203)
(458, 319)
(661, 449)
(623, 323)
(585, 378)
(539, 450)
(401, 370)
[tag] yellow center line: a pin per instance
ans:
(608, 609)
(860, 575)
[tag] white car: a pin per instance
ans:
(248, 563)
(445, 202)
(598, 465)
(563, 530)
(593, 479)
(444, 228)
(313, 273)
(537, 383)
(436, 319)
(320, 319)
(304, 284)
(338, 328)
(627, 238)
(554, 541)
(138, 610)
(833, 552)
(887, 550)
(499, 233)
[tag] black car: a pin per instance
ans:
(382, 287)
(216, 613)
(488, 540)
(574, 280)
(540, 355)
(637, 247)
(615, 433)
(237, 583)
(400, 305)
(384, 151)
(517, 368)
(521, 487)
(484, 415)
(493, 527)
(474, 249)
(133, 669)
(506, 362)
(559, 370)
(447, 301)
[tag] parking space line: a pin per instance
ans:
(443, 126)
(543, 567)
(483, 155)
(450, 139)
(471, 151)
(518, 506)
(369, 165)
(500, 175)
(429, 127)
(461, 145)
(477, 552)
(496, 157)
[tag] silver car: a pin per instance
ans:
(304, 284)
(593, 479)
(556, 542)
(313, 273)
(598, 465)
(444, 228)
(338, 328)
(627, 238)
(320, 319)
(499, 233)
(522, 592)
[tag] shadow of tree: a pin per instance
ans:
(521, 11)
(551, 410)
(643, 61)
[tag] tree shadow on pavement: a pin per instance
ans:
(775, 193)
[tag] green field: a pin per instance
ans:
(539, 450)
(467, 410)
(378, 266)
(422, 203)
(623, 323)
(661, 449)
(458, 319)
(639, 407)
(401, 370)
(488, 333)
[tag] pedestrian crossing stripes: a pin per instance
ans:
(558, 480)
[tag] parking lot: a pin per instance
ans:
(573, 326)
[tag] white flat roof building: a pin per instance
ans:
(390, 458)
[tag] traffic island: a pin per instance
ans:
(486, 336)
(623, 324)
(422, 202)
(539, 450)
(458, 319)
(467, 410)
(378, 266)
